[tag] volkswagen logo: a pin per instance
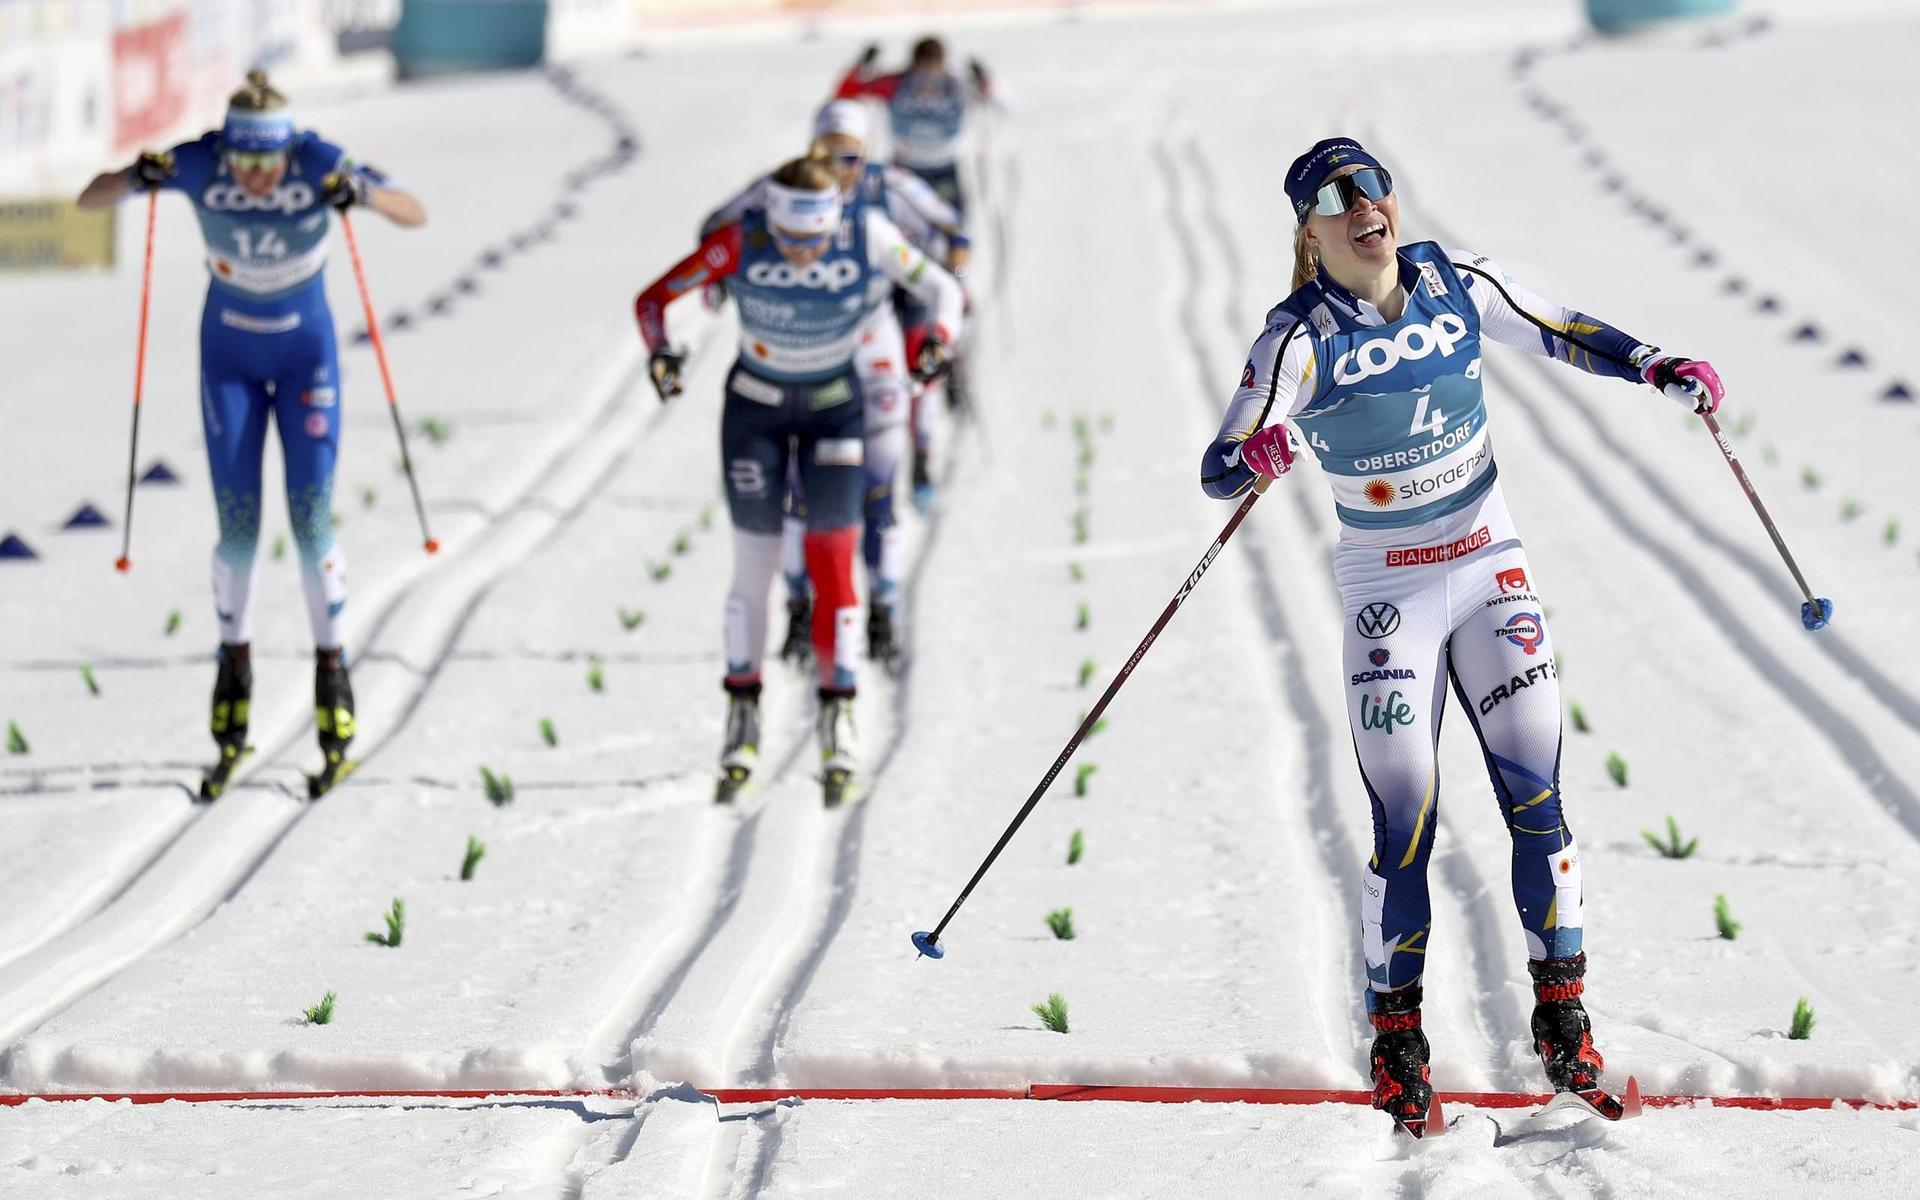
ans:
(1377, 620)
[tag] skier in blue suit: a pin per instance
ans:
(1375, 359)
(262, 191)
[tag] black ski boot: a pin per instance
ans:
(923, 490)
(798, 648)
(1402, 1087)
(742, 749)
(1561, 1032)
(232, 697)
(333, 717)
(882, 646)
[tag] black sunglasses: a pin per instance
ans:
(1336, 196)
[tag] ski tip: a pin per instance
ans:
(1436, 1122)
(928, 948)
(1630, 1102)
(123, 565)
(1816, 613)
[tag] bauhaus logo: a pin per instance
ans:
(834, 276)
(1377, 356)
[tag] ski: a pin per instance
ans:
(1431, 1125)
(1582, 1104)
(330, 775)
(214, 779)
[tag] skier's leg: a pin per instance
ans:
(307, 408)
(1504, 673)
(881, 362)
(753, 450)
(831, 455)
(233, 415)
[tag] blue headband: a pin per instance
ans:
(257, 132)
(1312, 169)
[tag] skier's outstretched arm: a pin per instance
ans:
(1512, 314)
(1275, 382)
(144, 174)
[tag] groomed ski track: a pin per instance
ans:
(760, 952)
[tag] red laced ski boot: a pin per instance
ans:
(1561, 1032)
(1402, 1087)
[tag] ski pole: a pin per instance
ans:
(386, 377)
(1815, 611)
(929, 943)
(124, 563)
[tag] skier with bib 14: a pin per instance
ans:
(1375, 359)
(801, 274)
(262, 190)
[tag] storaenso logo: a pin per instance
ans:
(1377, 356)
(231, 197)
(835, 276)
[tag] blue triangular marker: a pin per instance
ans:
(1807, 333)
(159, 472)
(1853, 358)
(12, 547)
(1769, 304)
(1734, 285)
(88, 517)
(1899, 391)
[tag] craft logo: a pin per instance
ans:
(1416, 556)
(1524, 630)
(1385, 714)
(1513, 686)
(1378, 656)
(1377, 620)
(1514, 580)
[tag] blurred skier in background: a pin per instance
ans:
(841, 132)
(928, 110)
(801, 276)
(1376, 360)
(261, 189)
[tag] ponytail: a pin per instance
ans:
(1306, 264)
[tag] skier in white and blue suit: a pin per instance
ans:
(263, 191)
(1375, 360)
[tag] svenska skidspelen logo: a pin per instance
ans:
(1378, 620)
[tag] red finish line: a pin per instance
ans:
(1037, 1091)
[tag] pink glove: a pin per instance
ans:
(1269, 451)
(1692, 382)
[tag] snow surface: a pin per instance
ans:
(622, 932)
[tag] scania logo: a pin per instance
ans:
(1377, 620)
(1377, 356)
(833, 276)
(231, 197)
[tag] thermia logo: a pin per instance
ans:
(288, 198)
(1377, 356)
(835, 276)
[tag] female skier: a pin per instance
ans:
(802, 277)
(1375, 357)
(841, 132)
(261, 189)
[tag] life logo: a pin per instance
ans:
(1377, 356)
(1525, 631)
(835, 276)
(288, 198)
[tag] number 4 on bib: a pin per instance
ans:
(1432, 428)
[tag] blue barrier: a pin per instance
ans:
(1620, 16)
(442, 37)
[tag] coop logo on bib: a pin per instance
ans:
(231, 197)
(1377, 356)
(834, 276)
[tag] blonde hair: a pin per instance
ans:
(1306, 263)
(809, 174)
(258, 95)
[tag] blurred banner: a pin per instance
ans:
(152, 81)
(1620, 16)
(50, 234)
